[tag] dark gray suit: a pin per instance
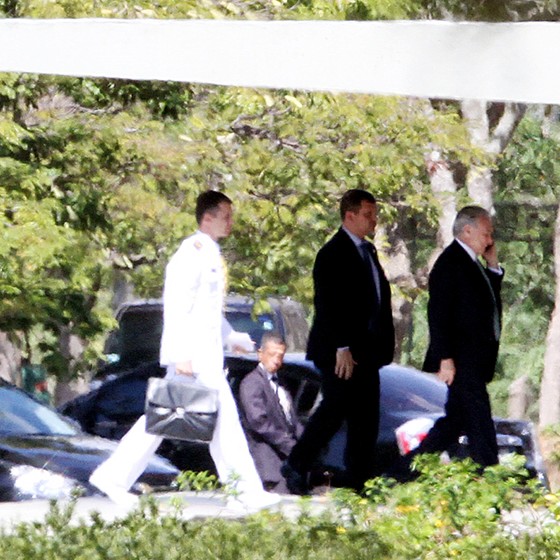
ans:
(269, 433)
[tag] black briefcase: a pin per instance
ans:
(179, 410)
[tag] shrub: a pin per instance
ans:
(450, 511)
(455, 510)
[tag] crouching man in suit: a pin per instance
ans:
(267, 414)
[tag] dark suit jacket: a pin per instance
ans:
(270, 436)
(343, 304)
(460, 316)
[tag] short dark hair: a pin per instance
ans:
(208, 202)
(468, 215)
(352, 200)
(272, 336)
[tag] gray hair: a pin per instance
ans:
(272, 336)
(468, 215)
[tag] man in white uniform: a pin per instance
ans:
(194, 332)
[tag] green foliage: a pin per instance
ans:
(209, 9)
(357, 10)
(491, 10)
(453, 510)
(552, 434)
(416, 344)
(197, 481)
(528, 175)
(290, 157)
(104, 173)
(162, 99)
(147, 533)
(112, 188)
(450, 511)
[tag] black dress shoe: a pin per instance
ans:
(296, 481)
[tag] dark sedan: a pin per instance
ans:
(406, 394)
(44, 455)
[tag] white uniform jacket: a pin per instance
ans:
(194, 325)
(194, 328)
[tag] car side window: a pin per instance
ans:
(255, 327)
(303, 389)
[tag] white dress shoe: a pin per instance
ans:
(116, 494)
(254, 501)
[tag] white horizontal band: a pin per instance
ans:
(502, 61)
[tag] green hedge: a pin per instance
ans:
(451, 511)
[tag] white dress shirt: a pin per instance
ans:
(280, 392)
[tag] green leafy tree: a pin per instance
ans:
(526, 200)
(105, 173)
(111, 169)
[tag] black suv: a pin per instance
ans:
(137, 339)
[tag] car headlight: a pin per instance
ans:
(32, 482)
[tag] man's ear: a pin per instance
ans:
(467, 230)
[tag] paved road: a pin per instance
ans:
(204, 505)
(192, 505)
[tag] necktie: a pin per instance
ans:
(496, 313)
(369, 255)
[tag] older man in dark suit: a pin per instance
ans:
(267, 414)
(464, 315)
(351, 338)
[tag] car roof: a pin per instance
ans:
(231, 301)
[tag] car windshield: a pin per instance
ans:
(22, 415)
(243, 321)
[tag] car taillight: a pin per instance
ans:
(411, 433)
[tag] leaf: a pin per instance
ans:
(294, 101)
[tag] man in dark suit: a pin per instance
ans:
(351, 338)
(267, 414)
(464, 316)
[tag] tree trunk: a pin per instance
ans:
(549, 403)
(397, 263)
(444, 187)
(490, 127)
(518, 398)
(123, 290)
(10, 360)
(71, 347)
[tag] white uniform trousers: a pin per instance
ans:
(228, 447)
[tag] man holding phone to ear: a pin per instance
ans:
(464, 316)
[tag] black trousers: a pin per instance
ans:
(355, 400)
(467, 411)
